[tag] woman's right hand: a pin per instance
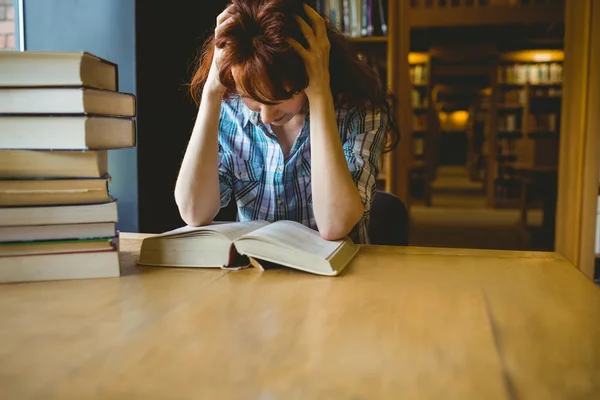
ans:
(213, 85)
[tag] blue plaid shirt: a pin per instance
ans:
(268, 186)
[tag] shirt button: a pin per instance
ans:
(279, 201)
(279, 169)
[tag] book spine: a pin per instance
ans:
(346, 12)
(382, 14)
(370, 18)
(365, 21)
(355, 15)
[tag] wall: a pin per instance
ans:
(105, 28)
(7, 25)
(168, 39)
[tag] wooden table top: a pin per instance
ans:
(399, 323)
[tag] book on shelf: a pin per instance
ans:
(419, 146)
(419, 122)
(336, 13)
(25, 164)
(418, 74)
(513, 98)
(227, 245)
(66, 132)
(33, 68)
(542, 123)
(532, 73)
(356, 18)
(43, 100)
(418, 99)
(509, 123)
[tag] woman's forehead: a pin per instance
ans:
(256, 82)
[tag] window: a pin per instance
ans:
(7, 25)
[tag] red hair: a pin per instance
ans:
(270, 70)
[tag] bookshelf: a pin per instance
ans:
(526, 129)
(418, 142)
(528, 98)
(375, 39)
(477, 128)
(428, 13)
(411, 14)
(369, 39)
(390, 51)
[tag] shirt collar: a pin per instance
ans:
(247, 114)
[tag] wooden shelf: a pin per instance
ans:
(436, 15)
(546, 85)
(508, 205)
(533, 85)
(533, 56)
(417, 165)
(535, 168)
(507, 158)
(542, 134)
(369, 39)
(511, 85)
(508, 107)
(509, 135)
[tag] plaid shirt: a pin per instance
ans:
(268, 186)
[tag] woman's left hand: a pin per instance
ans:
(316, 57)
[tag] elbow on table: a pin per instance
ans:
(196, 221)
(332, 234)
(191, 215)
(339, 229)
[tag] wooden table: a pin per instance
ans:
(400, 323)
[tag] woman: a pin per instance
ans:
(290, 123)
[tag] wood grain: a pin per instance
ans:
(398, 323)
(579, 157)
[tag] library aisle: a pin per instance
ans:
(459, 217)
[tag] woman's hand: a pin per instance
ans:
(316, 57)
(213, 85)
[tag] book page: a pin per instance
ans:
(231, 230)
(295, 235)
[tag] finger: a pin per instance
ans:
(317, 21)
(302, 52)
(222, 26)
(307, 31)
(224, 15)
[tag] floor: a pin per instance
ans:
(459, 217)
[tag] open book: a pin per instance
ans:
(286, 243)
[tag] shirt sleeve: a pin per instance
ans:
(225, 160)
(225, 176)
(363, 147)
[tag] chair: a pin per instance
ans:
(229, 213)
(389, 220)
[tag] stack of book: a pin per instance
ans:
(59, 114)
